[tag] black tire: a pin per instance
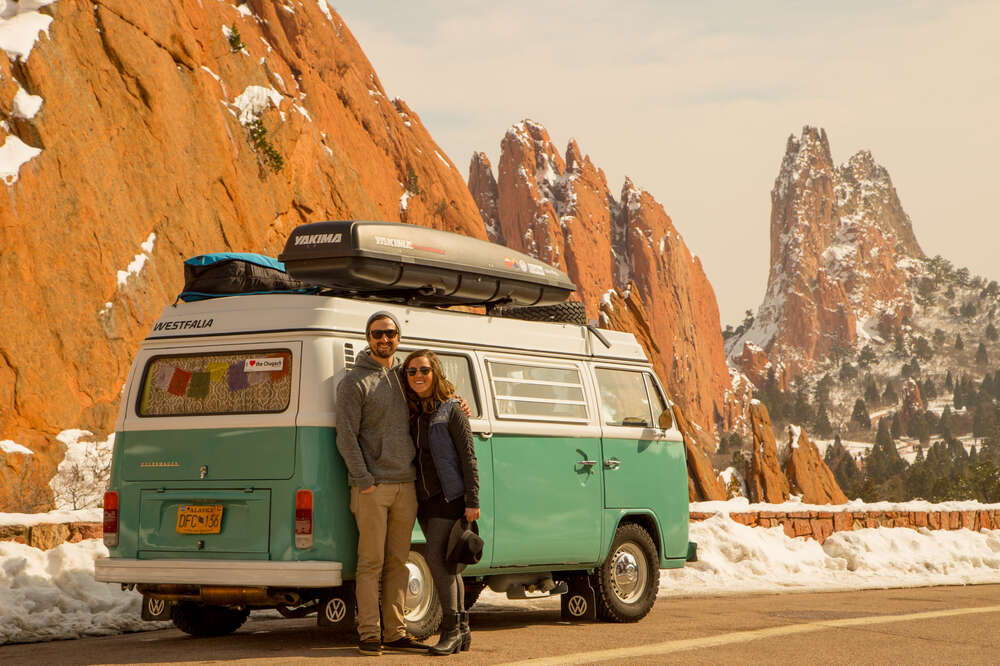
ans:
(472, 592)
(569, 312)
(627, 582)
(422, 611)
(199, 620)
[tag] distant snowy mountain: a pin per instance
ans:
(843, 261)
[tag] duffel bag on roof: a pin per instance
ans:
(232, 273)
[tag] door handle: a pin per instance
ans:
(586, 463)
(485, 435)
(612, 463)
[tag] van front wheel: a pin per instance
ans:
(422, 611)
(199, 620)
(627, 582)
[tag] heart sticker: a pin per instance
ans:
(252, 363)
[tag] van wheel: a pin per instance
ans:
(472, 592)
(627, 582)
(422, 610)
(199, 620)
(568, 312)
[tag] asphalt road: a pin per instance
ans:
(941, 625)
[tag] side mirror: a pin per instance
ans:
(666, 420)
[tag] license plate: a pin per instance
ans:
(199, 518)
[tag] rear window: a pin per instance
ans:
(244, 382)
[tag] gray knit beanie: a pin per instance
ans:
(382, 314)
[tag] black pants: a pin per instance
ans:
(436, 517)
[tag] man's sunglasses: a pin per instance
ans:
(424, 370)
(388, 333)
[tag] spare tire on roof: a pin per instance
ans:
(567, 312)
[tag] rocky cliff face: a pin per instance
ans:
(561, 210)
(842, 252)
(135, 134)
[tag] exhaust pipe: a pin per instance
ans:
(220, 595)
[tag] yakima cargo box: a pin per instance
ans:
(421, 265)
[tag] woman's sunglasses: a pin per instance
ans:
(388, 333)
(425, 370)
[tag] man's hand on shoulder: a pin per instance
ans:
(464, 405)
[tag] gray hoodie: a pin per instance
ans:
(373, 425)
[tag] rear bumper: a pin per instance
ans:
(220, 572)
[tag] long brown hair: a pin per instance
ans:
(441, 388)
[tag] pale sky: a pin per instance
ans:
(695, 101)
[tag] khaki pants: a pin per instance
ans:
(385, 520)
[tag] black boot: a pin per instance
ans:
(463, 627)
(451, 638)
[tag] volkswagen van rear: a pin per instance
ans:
(224, 493)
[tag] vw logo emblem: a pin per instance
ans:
(336, 610)
(156, 606)
(577, 605)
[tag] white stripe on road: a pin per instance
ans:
(746, 636)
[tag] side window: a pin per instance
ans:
(243, 382)
(532, 392)
(624, 401)
(659, 404)
(458, 370)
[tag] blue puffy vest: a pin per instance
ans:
(443, 451)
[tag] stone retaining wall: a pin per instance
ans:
(49, 535)
(819, 525)
(816, 525)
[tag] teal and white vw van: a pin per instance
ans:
(227, 492)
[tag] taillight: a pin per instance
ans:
(303, 519)
(111, 518)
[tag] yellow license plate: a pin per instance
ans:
(199, 518)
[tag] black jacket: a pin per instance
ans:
(459, 470)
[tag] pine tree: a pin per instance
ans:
(866, 356)
(822, 422)
(981, 357)
(949, 383)
(860, 414)
(922, 348)
(871, 392)
(891, 395)
(896, 426)
(959, 345)
(991, 332)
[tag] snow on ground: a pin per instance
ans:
(45, 595)
(48, 595)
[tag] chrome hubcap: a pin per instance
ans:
(418, 591)
(629, 573)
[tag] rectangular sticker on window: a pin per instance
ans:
(264, 364)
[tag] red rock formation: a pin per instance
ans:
(563, 212)
(911, 403)
(484, 190)
(703, 483)
(145, 139)
(807, 473)
(842, 251)
(758, 368)
(765, 481)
